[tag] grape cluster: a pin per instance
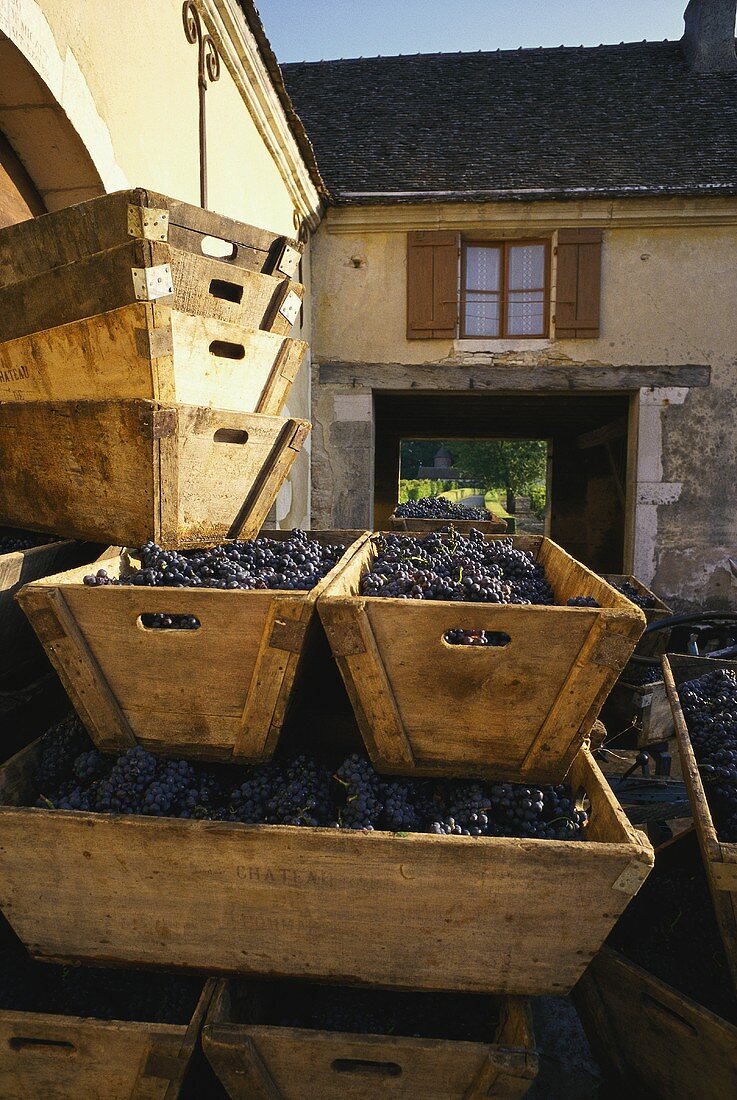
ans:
(12, 541)
(295, 564)
(640, 674)
(159, 620)
(641, 599)
(709, 706)
(303, 791)
(30, 986)
(449, 566)
(582, 601)
(459, 636)
(439, 508)
(455, 1016)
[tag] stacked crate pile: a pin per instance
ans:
(285, 913)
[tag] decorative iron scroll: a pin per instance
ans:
(208, 69)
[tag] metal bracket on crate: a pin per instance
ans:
(289, 260)
(632, 878)
(291, 306)
(150, 283)
(148, 222)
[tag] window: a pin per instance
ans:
(504, 289)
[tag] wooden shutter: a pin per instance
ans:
(432, 285)
(578, 284)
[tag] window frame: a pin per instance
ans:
(504, 245)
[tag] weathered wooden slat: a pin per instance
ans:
(481, 915)
(720, 858)
(107, 281)
(523, 709)
(150, 351)
(125, 471)
(652, 1036)
(65, 236)
(255, 1059)
(219, 692)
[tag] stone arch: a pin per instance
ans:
(48, 114)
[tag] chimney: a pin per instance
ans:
(708, 40)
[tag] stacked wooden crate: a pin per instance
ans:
(157, 418)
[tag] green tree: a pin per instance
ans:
(414, 453)
(511, 464)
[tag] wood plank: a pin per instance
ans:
(75, 232)
(104, 282)
(229, 898)
(655, 1036)
(152, 352)
(526, 707)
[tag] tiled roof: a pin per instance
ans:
(533, 123)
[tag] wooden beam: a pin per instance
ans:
(600, 437)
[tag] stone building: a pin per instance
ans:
(537, 244)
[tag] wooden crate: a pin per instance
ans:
(253, 1058)
(720, 859)
(81, 1058)
(463, 526)
(153, 352)
(122, 472)
(653, 1037)
(643, 708)
(220, 692)
(65, 236)
(517, 711)
(22, 656)
(148, 271)
(415, 911)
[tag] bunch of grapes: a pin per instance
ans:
(12, 541)
(640, 674)
(439, 508)
(709, 706)
(301, 791)
(295, 564)
(582, 601)
(641, 599)
(449, 566)
(159, 620)
(30, 986)
(459, 636)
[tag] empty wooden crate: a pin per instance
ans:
(122, 472)
(220, 691)
(720, 858)
(252, 1056)
(642, 709)
(21, 653)
(151, 351)
(512, 711)
(412, 911)
(148, 271)
(64, 236)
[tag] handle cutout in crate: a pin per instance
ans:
(163, 620)
(225, 349)
(363, 1065)
(48, 1046)
(231, 435)
(675, 1017)
(218, 249)
(478, 639)
(228, 292)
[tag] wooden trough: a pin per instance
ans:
(153, 352)
(122, 472)
(218, 692)
(480, 915)
(720, 858)
(514, 711)
(65, 236)
(255, 1058)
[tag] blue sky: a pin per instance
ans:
(308, 30)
